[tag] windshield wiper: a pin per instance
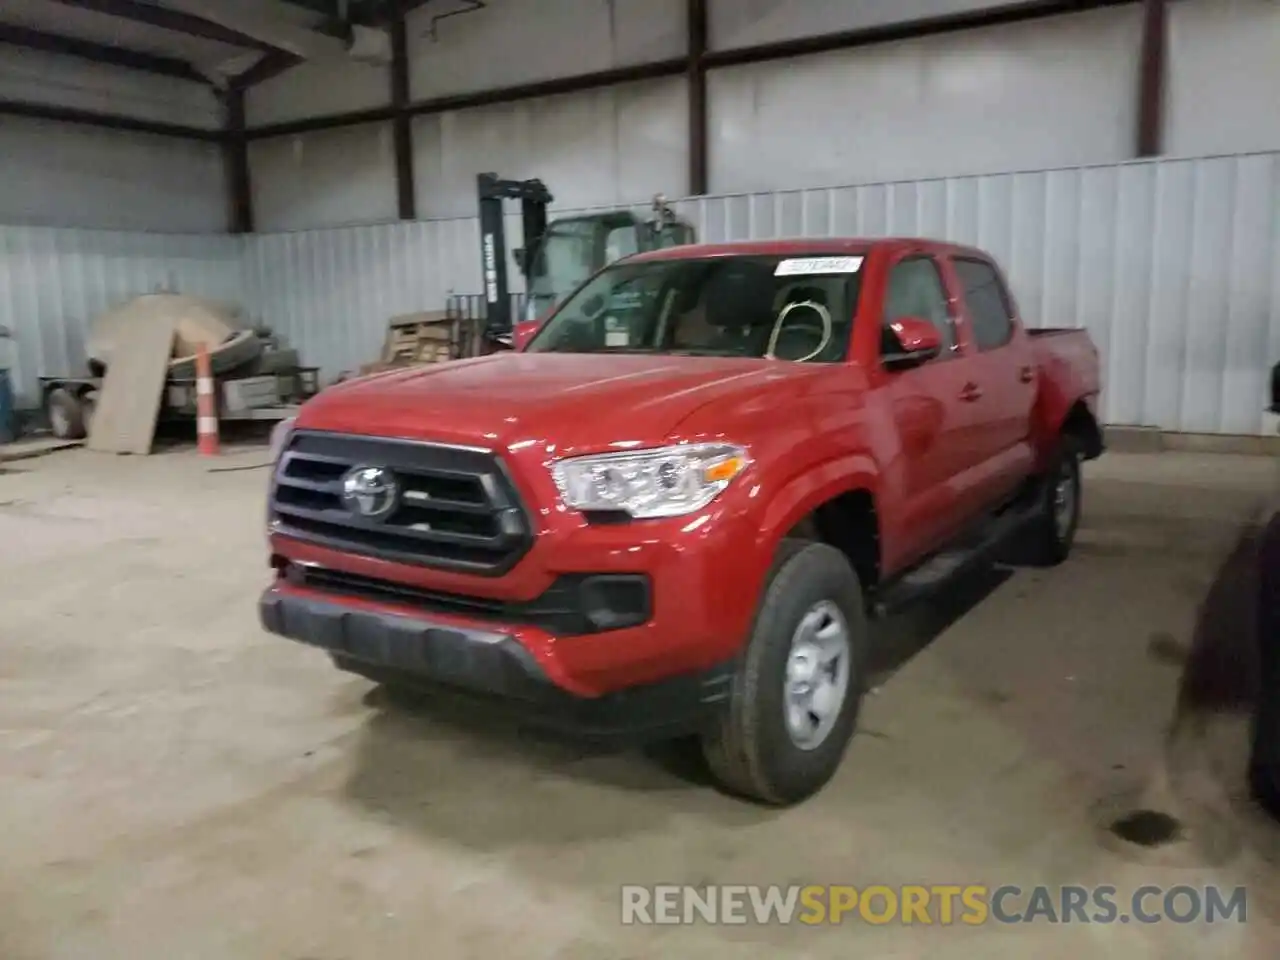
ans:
(590, 350)
(704, 352)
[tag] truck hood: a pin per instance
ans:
(574, 401)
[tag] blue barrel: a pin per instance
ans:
(8, 426)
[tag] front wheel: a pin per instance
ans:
(796, 694)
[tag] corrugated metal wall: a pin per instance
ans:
(1173, 266)
(330, 292)
(53, 282)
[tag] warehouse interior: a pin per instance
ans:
(298, 179)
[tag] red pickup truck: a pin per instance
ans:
(675, 507)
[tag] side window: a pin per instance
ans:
(988, 303)
(916, 290)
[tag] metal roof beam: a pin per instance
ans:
(173, 20)
(98, 53)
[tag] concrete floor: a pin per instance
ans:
(175, 783)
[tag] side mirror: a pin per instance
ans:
(524, 332)
(918, 341)
(521, 256)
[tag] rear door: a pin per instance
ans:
(1000, 390)
(933, 458)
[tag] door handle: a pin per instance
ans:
(970, 393)
(1026, 374)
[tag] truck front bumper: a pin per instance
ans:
(489, 661)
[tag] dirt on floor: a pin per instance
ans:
(176, 783)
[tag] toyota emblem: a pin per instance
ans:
(370, 492)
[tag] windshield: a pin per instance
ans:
(789, 308)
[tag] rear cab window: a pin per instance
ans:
(987, 302)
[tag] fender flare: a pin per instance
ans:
(801, 494)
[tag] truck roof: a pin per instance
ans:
(814, 246)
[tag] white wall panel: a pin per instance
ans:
(510, 42)
(1022, 96)
(1224, 76)
(604, 146)
(331, 292)
(64, 174)
(328, 178)
(316, 89)
(1173, 266)
(54, 282)
(70, 175)
(745, 23)
(67, 82)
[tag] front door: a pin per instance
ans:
(924, 401)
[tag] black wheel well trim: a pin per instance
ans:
(1081, 424)
(850, 522)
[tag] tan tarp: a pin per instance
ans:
(124, 417)
(193, 320)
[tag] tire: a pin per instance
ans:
(66, 415)
(1264, 757)
(88, 405)
(1264, 760)
(1053, 528)
(750, 749)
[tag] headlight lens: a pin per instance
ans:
(663, 482)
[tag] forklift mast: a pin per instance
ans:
(558, 256)
(534, 198)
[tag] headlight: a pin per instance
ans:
(664, 482)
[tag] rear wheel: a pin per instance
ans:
(88, 404)
(68, 415)
(797, 690)
(1060, 495)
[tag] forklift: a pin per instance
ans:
(558, 256)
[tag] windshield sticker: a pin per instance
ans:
(616, 333)
(806, 266)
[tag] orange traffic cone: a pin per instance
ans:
(206, 405)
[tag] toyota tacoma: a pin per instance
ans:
(676, 506)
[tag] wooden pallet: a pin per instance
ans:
(418, 338)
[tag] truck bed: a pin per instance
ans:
(1068, 354)
(1068, 368)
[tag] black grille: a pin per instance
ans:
(559, 609)
(456, 509)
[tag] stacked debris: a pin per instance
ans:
(193, 321)
(142, 364)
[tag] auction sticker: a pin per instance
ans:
(615, 333)
(811, 265)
